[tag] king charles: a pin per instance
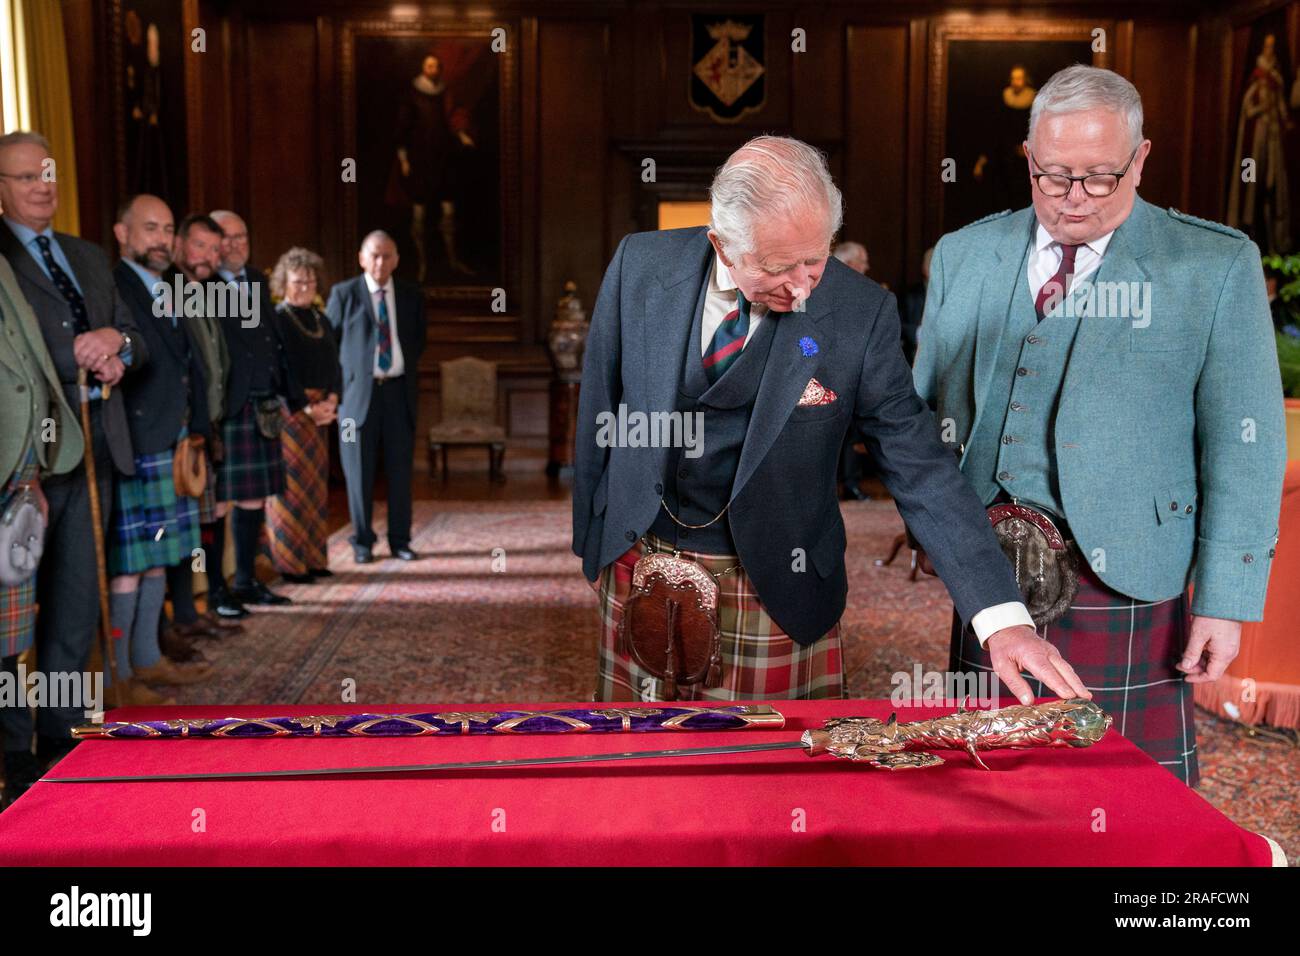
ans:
(775, 350)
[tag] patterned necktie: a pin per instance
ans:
(385, 333)
(63, 282)
(728, 340)
(1054, 289)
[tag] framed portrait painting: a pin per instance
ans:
(151, 90)
(983, 79)
(430, 118)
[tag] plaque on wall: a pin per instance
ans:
(728, 75)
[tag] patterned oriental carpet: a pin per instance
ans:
(502, 612)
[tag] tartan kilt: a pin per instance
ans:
(297, 518)
(18, 603)
(252, 467)
(208, 500)
(1125, 651)
(759, 661)
(144, 505)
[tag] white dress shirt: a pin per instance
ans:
(372, 287)
(718, 303)
(1045, 259)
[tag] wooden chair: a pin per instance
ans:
(469, 414)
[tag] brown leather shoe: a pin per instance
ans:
(132, 693)
(199, 628)
(224, 624)
(176, 645)
(165, 672)
(142, 696)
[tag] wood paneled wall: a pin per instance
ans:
(602, 85)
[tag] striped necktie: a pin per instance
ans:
(728, 340)
(385, 331)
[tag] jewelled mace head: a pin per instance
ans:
(1079, 722)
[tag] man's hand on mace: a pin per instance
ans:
(1019, 648)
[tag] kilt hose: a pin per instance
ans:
(151, 527)
(759, 661)
(252, 468)
(18, 602)
(1125, 652)
(296, 519)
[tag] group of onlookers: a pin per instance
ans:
(208, 389)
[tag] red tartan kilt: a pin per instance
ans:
(1125, 652)
(759, 661)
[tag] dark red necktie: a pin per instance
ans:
(1054, 289)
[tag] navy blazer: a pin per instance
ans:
(784, 511)
(352, 316)
(172, 389)
(254, 346)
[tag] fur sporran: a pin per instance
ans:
(1046, 564)
(22, 539)
(270, 418)
(670, 622)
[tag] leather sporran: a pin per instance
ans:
(670, 622)
(190, 467)
(270, 419)
(22, 538)
(1046, 564)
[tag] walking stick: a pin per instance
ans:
(101, 566)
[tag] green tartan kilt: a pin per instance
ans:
(151, 526)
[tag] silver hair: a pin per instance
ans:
(24, 138)
(378, 235)
(1080, 87)
(220, 214)
(845, 251)
(770, 176)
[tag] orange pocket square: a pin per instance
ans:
(815, 393)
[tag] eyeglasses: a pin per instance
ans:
(1096, 185)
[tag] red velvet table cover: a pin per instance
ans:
(1106, 805)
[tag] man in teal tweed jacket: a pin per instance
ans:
(1140, 404)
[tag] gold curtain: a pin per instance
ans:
(50, 96)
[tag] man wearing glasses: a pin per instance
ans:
(1107, 369)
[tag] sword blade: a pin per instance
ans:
(439, 767)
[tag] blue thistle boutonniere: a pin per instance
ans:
(808, 345)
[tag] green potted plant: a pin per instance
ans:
(1283, 276)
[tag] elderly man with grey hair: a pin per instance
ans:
(1107, 373)
(87, 328)
(723, 368)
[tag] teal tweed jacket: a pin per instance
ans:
(1169, 433)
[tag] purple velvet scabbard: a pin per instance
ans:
(612, 720)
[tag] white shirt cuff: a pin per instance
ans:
(993, 619)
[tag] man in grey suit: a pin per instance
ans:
(1111, 365)
(380, 324)
(86, 325)
(761, 352)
